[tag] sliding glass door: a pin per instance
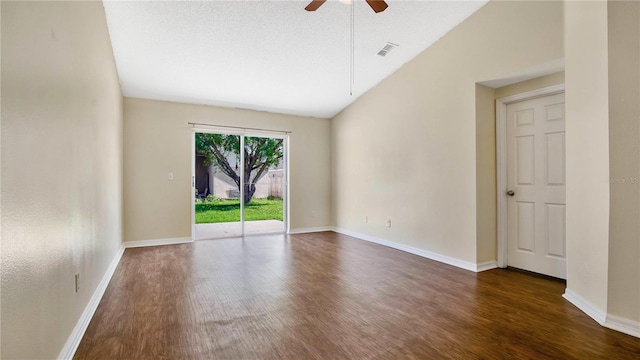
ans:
(239, 184)
(217, 182)
(263, 185)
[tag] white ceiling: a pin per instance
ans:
(268, 55)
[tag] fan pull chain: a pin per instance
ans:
(351, 80)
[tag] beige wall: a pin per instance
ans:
(486, 205)
(157, 140)
(624, 150)
(61, 169)
(406, 150)
(530, 85)
(587, 146)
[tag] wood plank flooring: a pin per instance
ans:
(329, 296)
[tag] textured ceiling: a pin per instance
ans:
(268, 55)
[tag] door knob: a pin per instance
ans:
(510, 193)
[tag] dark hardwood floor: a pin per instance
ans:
(329, 296)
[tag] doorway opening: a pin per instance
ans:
(531, 181)
(239, 184)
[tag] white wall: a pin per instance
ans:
(406, 150)
(587, 146)
(157, 140)
(61, 169)
(603, 160)
(624, 166)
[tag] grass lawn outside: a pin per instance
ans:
(228, 210)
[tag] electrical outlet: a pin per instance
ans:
(366, 219)
(170, 176)
(389, 223)
(77, 282)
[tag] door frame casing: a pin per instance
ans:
(501, 160)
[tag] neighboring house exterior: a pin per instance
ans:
(217, 183)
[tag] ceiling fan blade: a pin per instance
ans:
(378, 5)
(314, 5)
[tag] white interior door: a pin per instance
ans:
(536, 185)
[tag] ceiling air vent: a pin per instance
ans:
(387, 48)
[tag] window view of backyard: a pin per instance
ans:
(218, 180)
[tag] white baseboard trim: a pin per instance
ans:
(311, 230)
(623, 325)
(426, 254)
(156, 242)
(584, 305)
(488, 265)
(74, 339)
(612, 322)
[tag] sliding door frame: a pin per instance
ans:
(242, 134)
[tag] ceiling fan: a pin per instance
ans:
(376, 5)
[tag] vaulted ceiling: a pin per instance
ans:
(269, 55)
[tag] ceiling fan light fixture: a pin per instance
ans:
(376, 5)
